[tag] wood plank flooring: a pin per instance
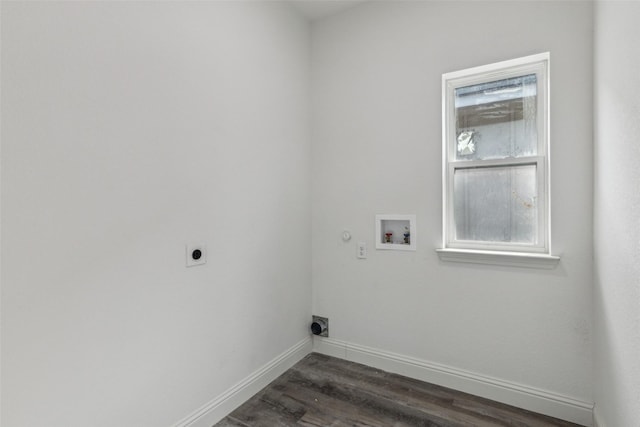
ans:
(325, 391)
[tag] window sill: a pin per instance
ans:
(510, 259)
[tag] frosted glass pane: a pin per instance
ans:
(497, 119)
(496, 204)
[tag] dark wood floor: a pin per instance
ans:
(325, 391)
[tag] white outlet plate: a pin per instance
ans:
(362, 250)
(191, 260)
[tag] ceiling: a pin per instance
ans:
(316, 9)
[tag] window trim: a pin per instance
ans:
(534, 64)
(508, 259)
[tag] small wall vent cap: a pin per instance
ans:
(196, 254)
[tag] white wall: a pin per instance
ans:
(128, 130)
(617, 226)
(376, 79)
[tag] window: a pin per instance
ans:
(495, 158)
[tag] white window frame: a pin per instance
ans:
(485, 251)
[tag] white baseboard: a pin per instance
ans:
(597, 422)
(521, 396)
(222, 405)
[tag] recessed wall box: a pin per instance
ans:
(320, 326)
(396, 232)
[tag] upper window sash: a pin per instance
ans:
(489, 73)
